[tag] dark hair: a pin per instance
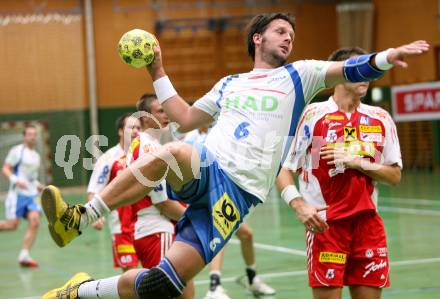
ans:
(259, 24)
(144, 103)
(345, 53)
(28, 126)
(120, 122)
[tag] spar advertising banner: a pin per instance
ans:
(416, 101)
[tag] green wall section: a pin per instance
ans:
(60, 123)
(73, 122)
(107, 122)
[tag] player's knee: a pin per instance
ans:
(178, 149)
(154, 283)
(126, 284)
(13, 224)
(34, 220)
(34, 223)
(245, 234)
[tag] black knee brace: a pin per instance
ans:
(156, 284)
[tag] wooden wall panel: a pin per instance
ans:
(316, 32)
(399, 22)
(117, 83)
(42, 61)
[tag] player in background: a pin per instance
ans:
(106, 169)
(235, 168)
(154, 214)
(21, 167)
(244, 233)
(342, 148)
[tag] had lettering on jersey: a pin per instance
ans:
(265, 103)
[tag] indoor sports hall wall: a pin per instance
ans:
(43, 71)
(44, 66)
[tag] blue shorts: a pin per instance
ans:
(217, 207)
(18, 205)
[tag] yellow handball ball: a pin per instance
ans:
(136, 48)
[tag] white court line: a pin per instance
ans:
(410, 200)
(274, 248)
(297, 273)
(304, 272)
(410, 211)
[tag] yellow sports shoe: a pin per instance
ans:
(70, 289)
(63, 219)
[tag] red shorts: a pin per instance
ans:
(124, 255)
(352, 252)
(151, 249)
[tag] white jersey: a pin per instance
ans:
(101, 177)
(25, 163)
(195, 136)
(256, 112)
(101, 172)
(148, 219)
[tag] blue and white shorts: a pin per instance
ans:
(217, 207)
(18, 205)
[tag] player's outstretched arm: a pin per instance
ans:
(369, 67)
(177, 109)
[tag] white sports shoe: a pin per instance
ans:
(218, 293)
(258, 286)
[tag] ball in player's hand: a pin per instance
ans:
(136, 48)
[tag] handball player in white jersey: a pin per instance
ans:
(257, 113)
(21, 168)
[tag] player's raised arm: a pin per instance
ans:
(178, 110)
(372, 66)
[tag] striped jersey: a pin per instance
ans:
(369, 133)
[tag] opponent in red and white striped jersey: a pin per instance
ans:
(368, 133)
(342, 148)
(106, 169)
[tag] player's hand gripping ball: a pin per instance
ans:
(136, 48)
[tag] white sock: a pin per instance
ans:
(215, 272)
(95, 209)
(24, 255)
(252, 267)
(106, 288)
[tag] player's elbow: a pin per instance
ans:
(396, 177)
(5, 170)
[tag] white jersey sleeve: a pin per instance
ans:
(391, 148)
(102, 170)
(209, 102)
(100, 175)
(13, 156)
(303, 138)
(312, 73)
